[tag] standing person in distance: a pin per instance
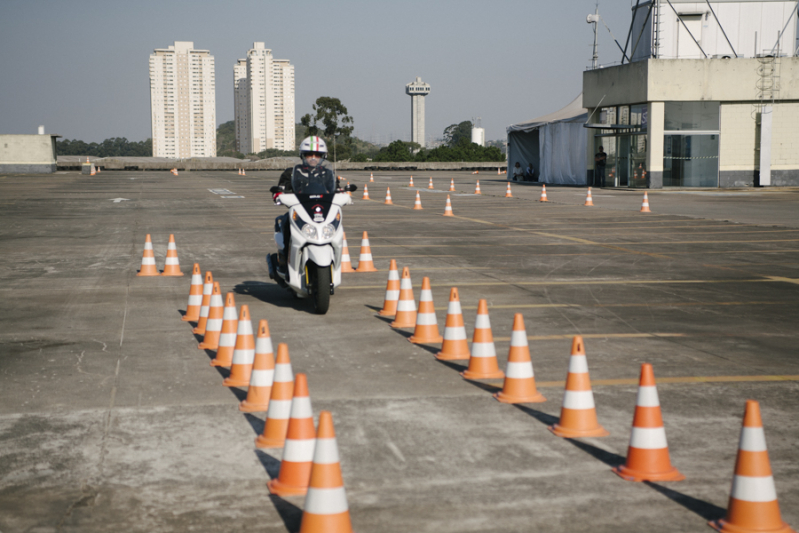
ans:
(599, 167)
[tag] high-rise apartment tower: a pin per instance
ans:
(240, 104)
(183, 101)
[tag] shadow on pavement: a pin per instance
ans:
(706, 510)
(454, 366)
(257, 425)
(538, 415)
(272, 293)
(289, 513)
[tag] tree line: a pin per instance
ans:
(113, 147)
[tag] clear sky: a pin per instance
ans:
(80, 67)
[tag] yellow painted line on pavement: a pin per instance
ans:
(584, 282)
(665, 304)
(681, 379)
(784, 280)
(597, 336)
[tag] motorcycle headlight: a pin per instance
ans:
(328, 231)
(309, 230)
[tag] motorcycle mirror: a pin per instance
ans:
(351, 187)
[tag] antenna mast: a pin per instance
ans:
(594, 19)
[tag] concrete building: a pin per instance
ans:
(479, 136)
(709, 97)
(28, 154)
(183, 101)
(417, 90)
(240, 102)
(270, 102)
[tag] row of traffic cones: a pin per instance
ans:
(242, 172)
(310, 463)
(174, 171)
(171, 264)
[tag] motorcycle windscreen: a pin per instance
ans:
(319, 180)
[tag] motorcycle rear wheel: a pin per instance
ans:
(320, 287)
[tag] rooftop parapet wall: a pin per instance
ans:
(25, 154)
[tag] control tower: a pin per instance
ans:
(417, 90)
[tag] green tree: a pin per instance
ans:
(397, 151)
(455, 132)
(329, 118)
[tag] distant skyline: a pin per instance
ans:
(81, 67)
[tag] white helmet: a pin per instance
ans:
(313, 144)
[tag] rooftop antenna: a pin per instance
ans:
(594, 19)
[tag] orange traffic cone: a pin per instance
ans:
(243, 353)
(406, 306)
(243, 172)
(172, 265)
(498, 171)
(346, 262)
(176, 172)
(648, 452)
(227, 333)
(295, 467)
(578, 413)
(430, 185)
(349, 192)
(263, 373)
(589, 201)
(411, 182)
(392, 291)
(93, 172)
(753, 505)
(455, 346)
(239, 172)
(365, 192)
(277, 417)
(519, 376)
(371, 177)
(645, 205)
(476, 172)
(365, 263)
(508, 194)
(452, 185)
(483, 361)
(426, 331)
(325, 509)
(208, 288)
(148, 259)
(418, 203)
(448, 208)
(543, 194)
(388, 197)
(99, 170)
(213, 324)
(477, 188)
(195, 295)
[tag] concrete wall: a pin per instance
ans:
(27, 154)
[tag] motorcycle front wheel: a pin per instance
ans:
(320, 287)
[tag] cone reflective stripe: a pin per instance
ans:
(508, 194)
(326, 509)
(589, 201)
(371, 177)
(208, 288)
(406, 306)
(172, 265)
(483, 360)
(195, 295)
(452, 185)
(648, 452)
(213, 325)
(366, 192)
(227, 334)
(411, 182)
(148, 259)
(243, 353)
(519, 384)
(543, 194)
(430, 185)
(346, 262)
(455, 345)
(277, 417)
(448, 208)
(298, 451)
(645, 205)
(753, 505)
(388, 197)
(365, 263)
(578, 413)
(263, 373)
(477, 188)
(426, 331)
(418, 203)
(392, 291)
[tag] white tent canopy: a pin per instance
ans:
(555, 144)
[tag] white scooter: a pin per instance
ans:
(314, 257)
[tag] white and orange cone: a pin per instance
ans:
(476, 172)
(346, 261)
(448, 208)
(371, 177)
(227, 333)
(365, 192)
(411, 182)
(543, 194)
(406, 306)
(753, 505)
(277, 417)
(243, 172)
(295, 466)
(519, 384)
(195, 295)
(243, 353)
(148, 267)
(455, 345)
(239, 172)
(508, 194)
(578, 413)
(214, 323)
(430, 185)
(208, 288)
(648, 452)
(388, 197)
(172, 265)
(392, 291)
(645, 205)
(589, 201)
(452, 185)
(483, 360)
(326, 509)
(426, 331)
(365, 263)
(477, 188)
(417, 205)
(93, 172)
(263, 373)
(348, 186)
(498, 171)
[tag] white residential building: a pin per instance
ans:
(269, 113)
(183, 101)
(240, 103)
